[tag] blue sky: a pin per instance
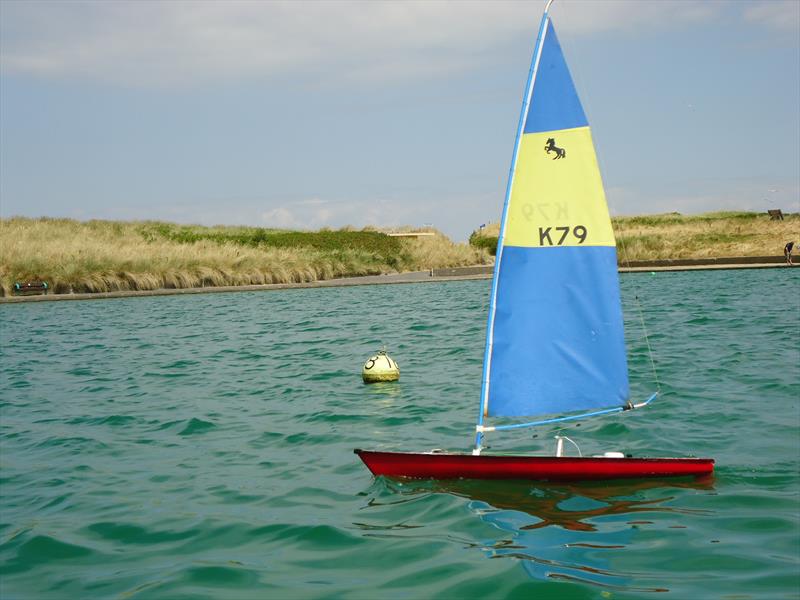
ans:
(312, 114)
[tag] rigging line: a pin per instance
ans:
(577, 73)
(571, 442)
(638, 303)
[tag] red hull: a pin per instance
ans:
(543, 468)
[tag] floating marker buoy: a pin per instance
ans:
(380, 367)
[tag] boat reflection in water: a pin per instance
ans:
(573, 506)
(576, 532)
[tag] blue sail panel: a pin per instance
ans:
(558, 337)
(555, 342)
(554, 103)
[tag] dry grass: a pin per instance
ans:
(439, 252)
(711, 235)
(100, 256)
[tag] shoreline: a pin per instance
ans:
(431, 276)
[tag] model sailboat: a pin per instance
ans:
(554, 341)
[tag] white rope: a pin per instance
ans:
(571, 442)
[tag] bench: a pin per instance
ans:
(30, 287)
(775, 214)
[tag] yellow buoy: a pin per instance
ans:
(380, 367)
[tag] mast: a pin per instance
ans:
(487, 356)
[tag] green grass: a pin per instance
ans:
(486, 242)
(388, 249)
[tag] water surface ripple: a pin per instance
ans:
(201, 447)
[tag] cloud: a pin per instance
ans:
(633, 16)
(181, 42)
(314, 213)
(757, 195)
(280, 218)
(776, 14)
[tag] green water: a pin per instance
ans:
(201, 447)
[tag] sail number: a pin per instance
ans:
(556, 236)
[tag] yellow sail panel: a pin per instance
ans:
(558, 198)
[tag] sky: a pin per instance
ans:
(313, 114)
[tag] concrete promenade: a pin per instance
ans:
(433, 275)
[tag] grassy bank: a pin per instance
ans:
(675, 236)
(102, 256)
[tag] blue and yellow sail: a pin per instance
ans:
(555, 341)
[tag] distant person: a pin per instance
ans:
(787, 252)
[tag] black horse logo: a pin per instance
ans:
(551, 146)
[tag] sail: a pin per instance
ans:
(555, 340)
